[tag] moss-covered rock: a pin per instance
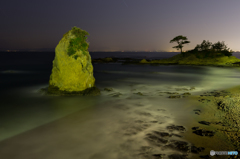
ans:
(144, 61)
(72, 68)
(107, 59)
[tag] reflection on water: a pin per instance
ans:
(113, 125)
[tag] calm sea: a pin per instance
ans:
(37, 126)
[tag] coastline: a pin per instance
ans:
(218, 112)
(225, 61)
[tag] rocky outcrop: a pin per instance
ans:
(193, 60)
(72, 71)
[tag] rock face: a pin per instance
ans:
(72, 70)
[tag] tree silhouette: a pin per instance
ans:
(204, 46)
(180, 40)
(219, 46)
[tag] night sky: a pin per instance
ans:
(119, 25)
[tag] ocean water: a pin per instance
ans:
(110, 126)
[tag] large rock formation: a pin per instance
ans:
(72, 71)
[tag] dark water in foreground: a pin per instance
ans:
(103, 127)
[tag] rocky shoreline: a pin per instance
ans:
(222, 115)
(53, 90)
(231, 62)
(220, 111)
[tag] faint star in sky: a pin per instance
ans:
(125, 3)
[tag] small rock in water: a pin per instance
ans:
(116, 94)
(182, 89)
(174, 97)
(108, 89)
(197, 110)
(176, 135)
(162, 134)
(195, 128)
(177, 156)
(158, 156)
(187, 93)
(204, 122)
(218, 122)
(178, 128)
(153, 121)
(179, 145)
(139, 93)
(171, 92)
(196, 150)
(144, 113)
(203, 132)
(155, 139)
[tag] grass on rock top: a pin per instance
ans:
(78, 43)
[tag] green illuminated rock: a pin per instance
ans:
(72, 71)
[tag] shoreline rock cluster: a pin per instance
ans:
(227, 105)
(178, 59)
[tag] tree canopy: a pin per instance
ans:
(180, 40)
(208, 49)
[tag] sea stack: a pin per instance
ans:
(72, 72)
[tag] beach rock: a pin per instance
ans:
(72, 68)
(162, 134)
(177, 135)
(139, 93)
(195, 128)
(196, 150)
(171, 92)
(116, 94)
(179, 145)
(182, 89)
(108, 89)
(155, 139)
(187, 93)
(197, 110)
(143, 113)
(216, 93)
(204, 122)
(51, 90)
(178, 128)
(203, 132)
(154, 121)
(178, 156)
(197, 113)
(158, 156)
(174, 97)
